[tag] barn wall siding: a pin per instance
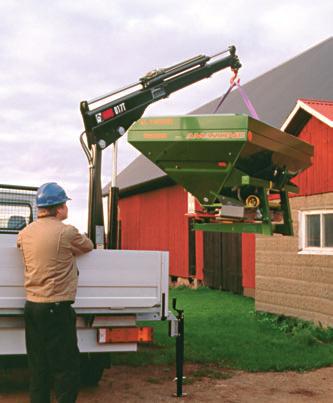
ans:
(319, 177)
(156, 221)
(290, 283)
(248, 264)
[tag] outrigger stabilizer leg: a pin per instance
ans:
(179, 350)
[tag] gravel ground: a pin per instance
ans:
(155, 384)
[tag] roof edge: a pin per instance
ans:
(302, 105)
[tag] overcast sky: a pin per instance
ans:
(57, 53)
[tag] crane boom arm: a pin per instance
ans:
(105, 124)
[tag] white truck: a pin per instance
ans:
(116, 289)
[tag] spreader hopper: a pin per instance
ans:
(238, 168)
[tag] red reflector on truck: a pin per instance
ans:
(125, 335)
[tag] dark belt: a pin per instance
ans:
(52, 304)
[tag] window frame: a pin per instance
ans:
(302, 233)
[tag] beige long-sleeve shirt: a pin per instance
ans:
(49, 248)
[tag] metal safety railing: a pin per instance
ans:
(17, 207)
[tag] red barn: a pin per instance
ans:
(156, 220)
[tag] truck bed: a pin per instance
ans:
(110, 281)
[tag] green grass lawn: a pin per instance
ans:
(223, 329)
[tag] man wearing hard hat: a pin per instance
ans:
(49, 248)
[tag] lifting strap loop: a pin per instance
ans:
(235, 82)
(224, 97)
(247, 101)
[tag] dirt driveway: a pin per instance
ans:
(154, 384)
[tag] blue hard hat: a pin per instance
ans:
(50, 194)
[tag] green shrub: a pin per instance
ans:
(305, 331)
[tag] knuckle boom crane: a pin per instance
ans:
(108, 117)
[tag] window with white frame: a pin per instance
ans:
(316, 231)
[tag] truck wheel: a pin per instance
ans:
(92, 367)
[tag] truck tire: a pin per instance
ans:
(92, 367)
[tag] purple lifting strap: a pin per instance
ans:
(244, 96)
(247, 101)
(224, 97)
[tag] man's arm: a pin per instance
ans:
(80, 243)
(76, 251)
